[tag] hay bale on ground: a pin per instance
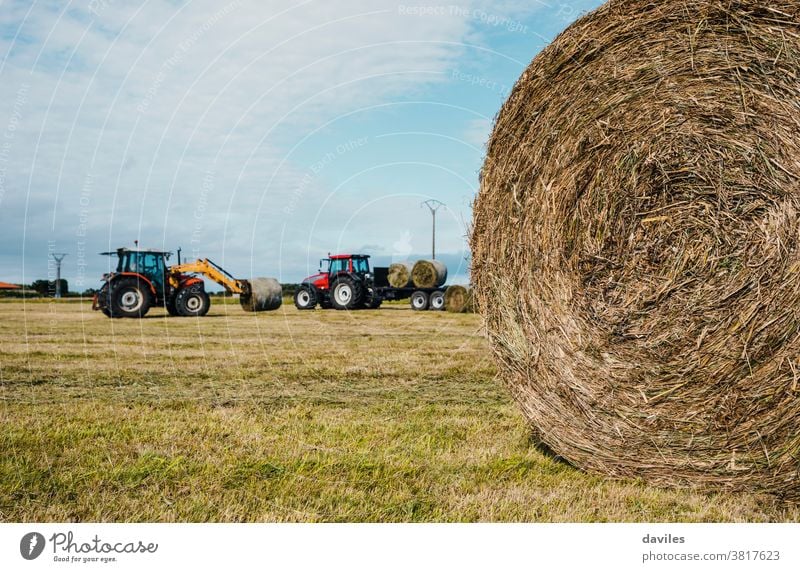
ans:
(636, 243)
(265, 295)
(429, 273)
(399, 275)
(457, 299)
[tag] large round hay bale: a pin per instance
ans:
(429, 273)
(636, 243)
(399, 275)
(265, 295)
(457, 299)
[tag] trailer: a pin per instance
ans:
(346, 282)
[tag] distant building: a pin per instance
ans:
(7, 286)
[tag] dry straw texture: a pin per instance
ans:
(266, 295)
(429, 273)
(457, 299)
(399, 275)
(635, 243)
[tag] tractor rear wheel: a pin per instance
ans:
(436, 301)
(129, 297)
(346, 293)
(305, 298)
(419, 301)
(192, 301)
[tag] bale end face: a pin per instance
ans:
(265, 295)
(636, 241)
(429, 274)
(457, 299)
(399, 275)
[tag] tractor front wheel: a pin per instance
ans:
(169, 304)
(192, 301)
(346, 293)
(129, 298)
(372, 300)
(305, 298)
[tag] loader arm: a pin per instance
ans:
(211, 271)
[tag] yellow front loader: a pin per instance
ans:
(143, 280)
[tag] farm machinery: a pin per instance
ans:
(345, 282)
(143, 279)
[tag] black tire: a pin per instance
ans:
(436, 301)
(305, 298)
(104, 301)
(372, 300)
(346, 293)
(419, 301)
(129, 297)
(192, 301)
(170, 306)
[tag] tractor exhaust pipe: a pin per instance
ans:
(261, 295)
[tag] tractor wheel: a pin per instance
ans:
(436, 301)
(372, 300)
(192, 301)
(346, 293)
(170, 306)
(129, 298)
(104, 301)
(305, 298)
(419, 301)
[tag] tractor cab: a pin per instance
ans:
(150, 264)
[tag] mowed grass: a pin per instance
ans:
(386, 415)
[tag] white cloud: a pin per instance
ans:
(172, 119)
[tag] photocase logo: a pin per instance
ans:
(31, 545)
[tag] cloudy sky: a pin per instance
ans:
(260, 133)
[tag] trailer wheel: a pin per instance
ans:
(346, 293)
(305, 298)
(129, 298)
(419, 301)
(436, 302)
(192, 301)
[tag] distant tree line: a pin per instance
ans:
(47, 289)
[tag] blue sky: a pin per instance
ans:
(261, 134)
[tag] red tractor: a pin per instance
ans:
(344, 282)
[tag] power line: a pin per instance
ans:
(434, 206)
(58, 257)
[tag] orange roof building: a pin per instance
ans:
(7, 286)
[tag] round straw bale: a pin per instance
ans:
(265, 295)
(399, 275)
(457, 299)
(429, 273)
(636, 243)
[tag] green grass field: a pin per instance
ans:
(388, 415)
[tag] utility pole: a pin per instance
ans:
(434, 206)
(58, 257)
